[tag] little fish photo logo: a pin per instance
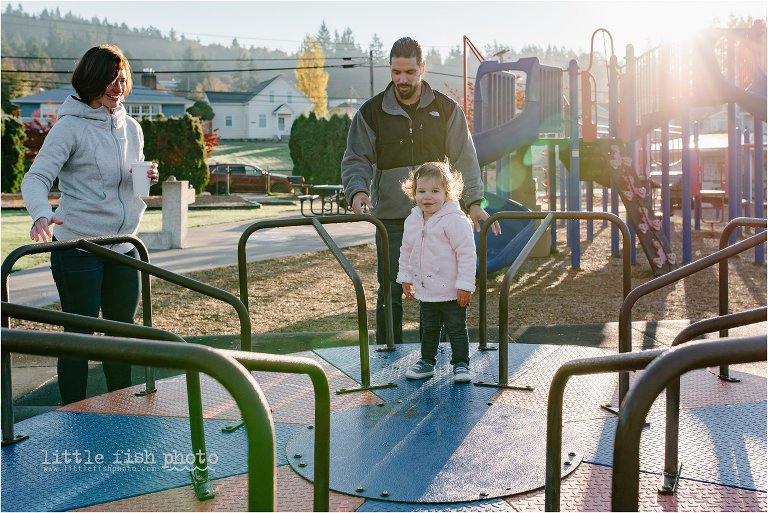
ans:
(125, 460)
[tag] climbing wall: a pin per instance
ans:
(636, 196)
(606, 162)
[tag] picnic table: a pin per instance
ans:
(331, 200)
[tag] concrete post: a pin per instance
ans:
(176, 196)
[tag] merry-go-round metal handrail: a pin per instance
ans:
(506, 283)
(672, 465)
(200, 480)
(362, 318)
(220, 366)
(625, 313)
(657, 376)
(722, 274)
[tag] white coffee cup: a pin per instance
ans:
(141, 180)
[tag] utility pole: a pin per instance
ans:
(370, 68)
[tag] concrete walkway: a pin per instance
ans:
(209, 247)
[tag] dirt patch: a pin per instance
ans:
(310, 292)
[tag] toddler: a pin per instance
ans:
(437, 265)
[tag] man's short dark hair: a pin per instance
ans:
(98, 68)
(406, 47)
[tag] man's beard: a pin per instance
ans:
(408, 94)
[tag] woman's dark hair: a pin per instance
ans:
(406, 47)
(98, 68)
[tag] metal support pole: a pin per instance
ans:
(574, 196)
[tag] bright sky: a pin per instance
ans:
(438, 24)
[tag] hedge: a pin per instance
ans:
(317, 147)
(177, 144)
(13, 150)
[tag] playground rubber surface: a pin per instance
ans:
(421, 445)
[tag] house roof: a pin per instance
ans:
(238, 97)
(139, 94)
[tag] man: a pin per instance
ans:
(402, 127)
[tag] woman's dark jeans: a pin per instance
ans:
(86, 284)
(395, 234)
(453, 319)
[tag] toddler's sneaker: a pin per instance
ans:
(420, 370)
(461, 373)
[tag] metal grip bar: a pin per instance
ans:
(316, 222)
(582, 366)
(183, 281)
(625, 313)
(238, 382)
(298, 365)
(667, 367)
(722, 268)
(203, 489)
(672, 466)
(506, 285)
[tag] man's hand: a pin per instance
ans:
(361, 203)
(40, 228)
(477, 214)
(408, 290)
(463, 297)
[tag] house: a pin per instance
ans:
(267, 112)
(144, 100)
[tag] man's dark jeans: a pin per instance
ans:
(453, 318)
(86, 284)
(395, 233)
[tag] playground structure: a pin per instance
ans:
(646, 95)
(384, 443)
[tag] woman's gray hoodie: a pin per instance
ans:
(90, 151)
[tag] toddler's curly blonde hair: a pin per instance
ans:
(452, 181)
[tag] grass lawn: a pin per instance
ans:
(270, 155)
(16, 223)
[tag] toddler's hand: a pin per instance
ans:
(463, 297)
(408, 290)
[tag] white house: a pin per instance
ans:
(267, 112)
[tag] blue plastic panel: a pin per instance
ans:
(424, 450)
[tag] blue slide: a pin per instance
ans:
(492, 144)
(503, 249)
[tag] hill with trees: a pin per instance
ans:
(40, 51)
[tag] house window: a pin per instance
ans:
(271, 97)
(140, 110)
(228, 121)
(290, 97)
(262, 121)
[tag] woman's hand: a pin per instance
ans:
(463, 297)
(40, 228)
(408, 290)
(153, 174)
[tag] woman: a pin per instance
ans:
(90, 150)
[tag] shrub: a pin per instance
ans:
(13, 149)
(317, 147)
(177, 144)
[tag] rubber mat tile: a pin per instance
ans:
(589, 489)
(293, 494)
(723, 445)
(583, 394)
(701, 387)
(163, 444)
(490, 505)
(290, 397)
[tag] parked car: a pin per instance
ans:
(245, 178)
